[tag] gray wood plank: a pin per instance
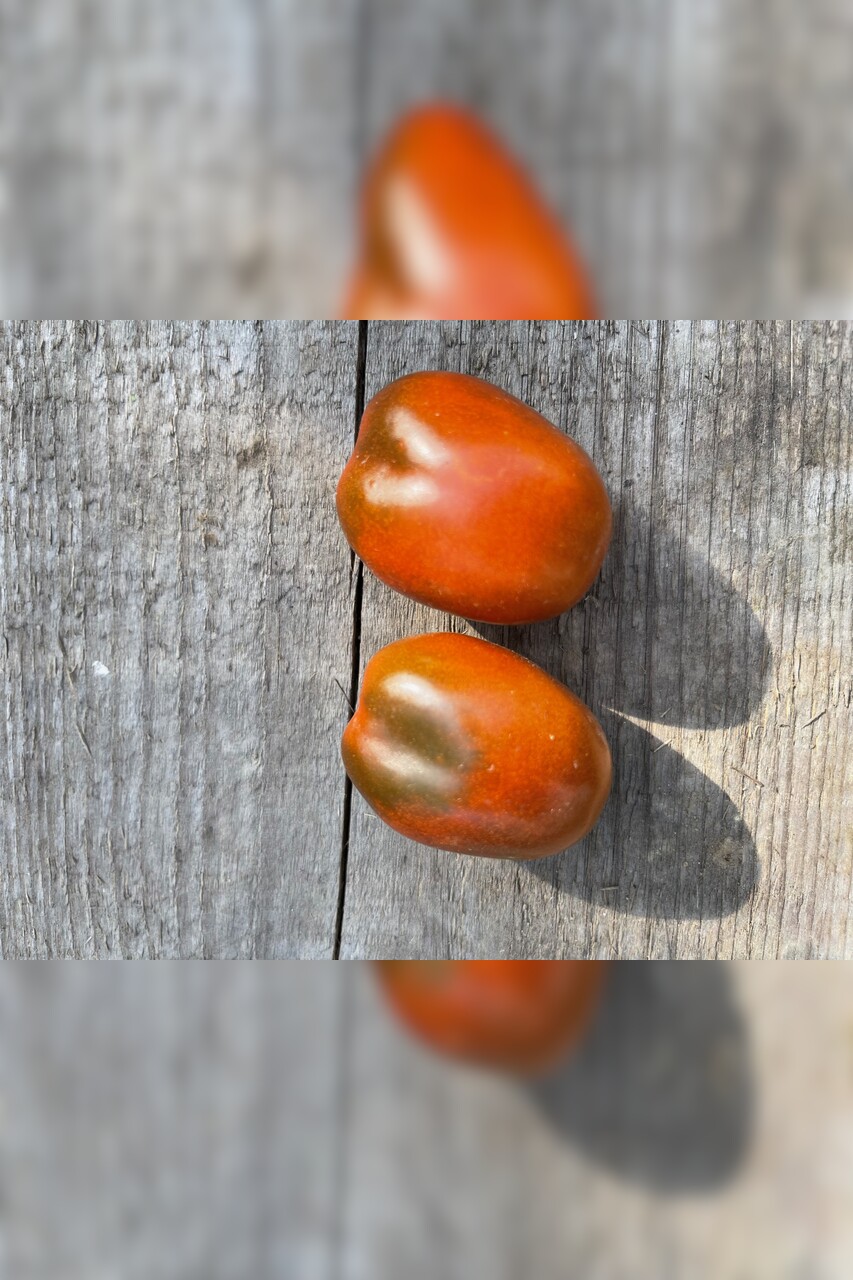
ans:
(175, 605)
(716, 648)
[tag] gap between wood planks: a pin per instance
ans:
(358, 567)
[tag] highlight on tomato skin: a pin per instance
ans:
(464, 498)
(517, 1016)
(452, 227)
(463, 745)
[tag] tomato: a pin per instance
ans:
(463, 498)
(461, 744)
(519, 1015)
(452, 228)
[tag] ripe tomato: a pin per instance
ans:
(461, 744)
(452, 228)
(518, 1015)
(463, 498)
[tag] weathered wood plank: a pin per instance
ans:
(719, 628)
(177, 602)
(175, 598)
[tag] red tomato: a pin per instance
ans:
(463, 498)
(461, 744)
(518, 1015)
(453, 228)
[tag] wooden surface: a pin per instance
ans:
(176, 605)
(270, 1121)
(180, 618)
(203, 159)
(719, 628)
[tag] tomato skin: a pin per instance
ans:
(463, 745)
(520, 1016)
(453, 228)
(465, 499)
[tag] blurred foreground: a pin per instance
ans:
(256, 1121)
(204, 158)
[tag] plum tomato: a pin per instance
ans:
(465, 499)
(520, 1016)
(452, 228)
(463, 745)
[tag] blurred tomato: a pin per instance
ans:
(521, 1016)
(461, 744)
(453, 228)
(463, 498)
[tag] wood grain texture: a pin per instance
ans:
(272, 1121)
(716, 648)
(180, 616)
(203, 159)
(175, 605)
